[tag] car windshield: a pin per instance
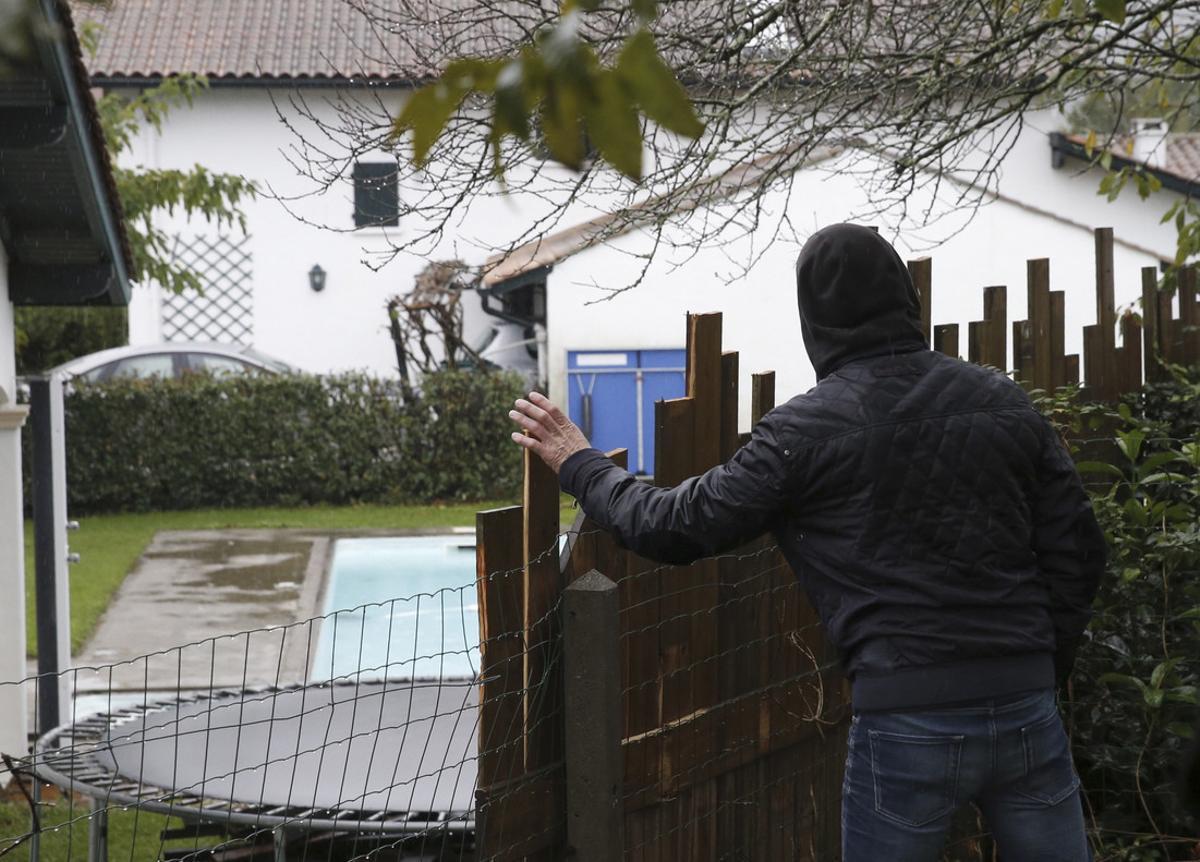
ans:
(270, 362)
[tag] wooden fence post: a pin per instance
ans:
(921, 273)
(594, 761)
(945, 339)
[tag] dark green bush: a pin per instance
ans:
(289, 440)
(1132, 702)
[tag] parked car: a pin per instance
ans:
(171, 360)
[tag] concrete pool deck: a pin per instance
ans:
(216, 608)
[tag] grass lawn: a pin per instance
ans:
(132, 835)
(109, 545)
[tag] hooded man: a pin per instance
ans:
(942, 534)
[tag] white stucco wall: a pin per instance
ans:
(760, 318)
(294, 226)
(13, 718)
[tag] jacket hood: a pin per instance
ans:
(856, 298)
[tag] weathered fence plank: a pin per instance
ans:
(1154, 326)
(762, 395)
(507, 794)
(729, 404)
(920, 271)
(945, 339)
(704, 387)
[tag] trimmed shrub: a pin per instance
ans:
(256, 440)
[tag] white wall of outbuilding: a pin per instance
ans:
(1040, 212)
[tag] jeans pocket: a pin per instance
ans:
(916, 777)
(1049, 775)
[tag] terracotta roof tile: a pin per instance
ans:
(284, 39)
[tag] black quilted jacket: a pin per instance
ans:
(934, 518)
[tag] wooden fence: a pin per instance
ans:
(701, 715)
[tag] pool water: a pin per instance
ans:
(401, 608)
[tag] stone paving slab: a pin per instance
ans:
(219, 608)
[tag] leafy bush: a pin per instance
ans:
(288, 440)
(1132, 703)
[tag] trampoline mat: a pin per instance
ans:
(386, 746)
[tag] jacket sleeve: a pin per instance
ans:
(705, 515)
(1069, 545)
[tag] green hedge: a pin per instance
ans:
(143, 445)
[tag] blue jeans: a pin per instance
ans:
(908, 772)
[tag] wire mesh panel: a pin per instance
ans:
(225, 310)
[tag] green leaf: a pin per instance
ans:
(648, 9)
(1054, 9)
(1123, 679)
(1160, 672)
(1156, 460)
(655, 86)
(1099, 467)
(1130, 443)
(1113, 10)
(1183, 694)
(426, 113)
(561, 129)
(429, 109)
(513, 99)
(1181, 729)
(613, 125)
(1135, 511)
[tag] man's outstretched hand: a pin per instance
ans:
(551, 435)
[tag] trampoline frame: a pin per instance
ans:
(77, 769)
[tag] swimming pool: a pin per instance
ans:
(399, 607)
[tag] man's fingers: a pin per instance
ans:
(533, 411)
(525, 441)
(552, 410)
(525, 422)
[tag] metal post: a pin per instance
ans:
(35, 841)
(98, 832)
(279, 837)
(53, 609)
(594, 766)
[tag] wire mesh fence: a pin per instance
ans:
(362, 757)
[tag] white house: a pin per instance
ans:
(311, 54)
(61, 243)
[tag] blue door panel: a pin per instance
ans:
(611, 380)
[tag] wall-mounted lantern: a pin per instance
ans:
(316, 278)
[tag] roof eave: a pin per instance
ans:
(102, 210)
(1061, 145)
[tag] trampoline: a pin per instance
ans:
(387, 757)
